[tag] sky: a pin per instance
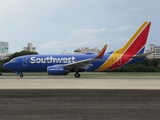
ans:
(53, 26)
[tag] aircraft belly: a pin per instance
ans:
(35, 68)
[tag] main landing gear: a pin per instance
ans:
(77, 75)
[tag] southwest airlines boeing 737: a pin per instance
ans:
(132, 52)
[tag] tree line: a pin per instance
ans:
(148, 65)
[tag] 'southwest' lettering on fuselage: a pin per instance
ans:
(52, 60)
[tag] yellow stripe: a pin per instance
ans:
(118, 53)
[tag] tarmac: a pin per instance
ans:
(85, 98)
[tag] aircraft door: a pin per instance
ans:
(24, 61)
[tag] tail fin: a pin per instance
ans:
(137, 42)
(134, 46)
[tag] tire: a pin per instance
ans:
(77, 75)
(21, 75)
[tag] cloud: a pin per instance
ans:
(52, 44)
(133, 9)
(122, 29)
(89, 38)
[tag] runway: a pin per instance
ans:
(89, 82)
(85, 98)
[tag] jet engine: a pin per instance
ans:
(56, 70)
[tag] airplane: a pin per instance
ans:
(132, 52)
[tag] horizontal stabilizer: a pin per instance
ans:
(143, 55)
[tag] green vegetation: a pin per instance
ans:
(148, 65)
(96, 74)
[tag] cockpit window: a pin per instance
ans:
(13, 60)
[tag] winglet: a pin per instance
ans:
(101, 52)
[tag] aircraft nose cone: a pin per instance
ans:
(6, 65)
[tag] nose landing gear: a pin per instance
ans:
(21, 75)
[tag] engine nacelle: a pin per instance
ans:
(56, 70)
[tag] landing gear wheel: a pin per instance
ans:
(21, 75)
(77, 75)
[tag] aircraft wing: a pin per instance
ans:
(143, 55)
(85, 63)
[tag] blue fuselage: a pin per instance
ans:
(39, 63)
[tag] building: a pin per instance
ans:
(30, 48)
(4, 56)
(156, 53)
(4, 47)
(65, 52)
(84, 50)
